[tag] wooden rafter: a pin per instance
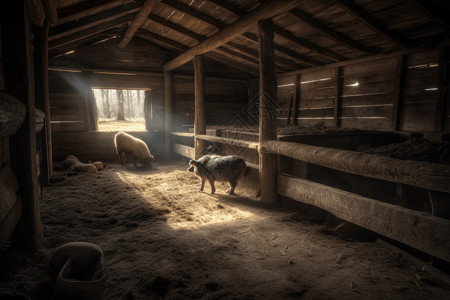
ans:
(283, 64)
(267, 10)
(434, 16)
(89, 32)
(85, 41)
(303, 42)
(220, 25)
(81, 7)
(103, 17)
(143, 13)
(370, 21)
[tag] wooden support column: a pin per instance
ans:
(19, 83)
(267, 112)
(338, 81)
(398, 89)
(200, 111)
(443, 99)
(168, 104)
(42, 99)
(296, 96)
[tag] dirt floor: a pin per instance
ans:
(162, 239)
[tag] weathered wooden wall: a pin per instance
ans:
(225, 99)
(392, 93)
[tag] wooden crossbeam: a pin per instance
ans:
(84, 6)
(249, 36)
(267, 10)
(139, 19)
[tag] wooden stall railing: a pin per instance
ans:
(419, 230)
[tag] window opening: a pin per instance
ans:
(120, 109)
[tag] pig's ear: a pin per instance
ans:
(192, 162)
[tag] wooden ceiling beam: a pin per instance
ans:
(332, 34)
(214, 56)
(266, 10)
(252, 54)
(88, 32)
(311, 46)
(85, 41)
(194, 13)
(373, 23)
(106, 16)
(83, 7)
(139, 19)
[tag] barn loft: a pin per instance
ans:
(338, 106)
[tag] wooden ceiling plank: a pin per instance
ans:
(432, 15)
(332, 34)
(194, 13)
(286, 51)
(241, 67)
(129, 7)
(176, 27)
(266, 10)
(373, 23)
(143, 13)
(307, 44)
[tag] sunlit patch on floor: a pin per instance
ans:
(177, 192)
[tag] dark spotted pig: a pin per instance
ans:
(220, 168)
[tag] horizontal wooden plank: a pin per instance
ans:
(386, 65)
(368, 88)
(416, 229)
(367, 111)
(311, 77)
(317, 103)
(423, 57)
(228, 141)
(373, 99)
(366, 123)
(418, 117)
(183, 150)
(416, 173)
(68, 127)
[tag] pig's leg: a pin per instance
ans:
(213, 189)
(121, 157)
(203, 185)
(233, 184)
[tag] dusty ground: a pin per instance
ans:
(164, 240)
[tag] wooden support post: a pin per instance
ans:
(19, 83)
(443, 99)
(200, 113)
(168, 104)
(398, 89)
(43, 101)
(296, 96)
(148, 112)
(338, 81)
(267, 112)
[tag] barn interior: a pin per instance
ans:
(340, 108)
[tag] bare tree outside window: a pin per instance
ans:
(120, 109)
